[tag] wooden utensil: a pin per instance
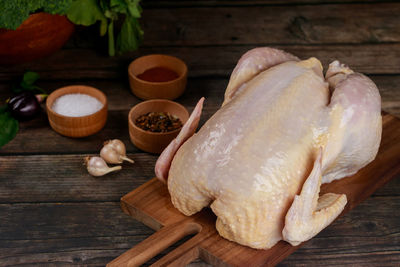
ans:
(150, 204)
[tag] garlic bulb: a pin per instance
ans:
(96, 166)
(114, 152)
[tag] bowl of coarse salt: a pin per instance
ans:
(77, 110)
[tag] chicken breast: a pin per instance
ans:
(282, 130)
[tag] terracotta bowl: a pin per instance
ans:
(77, 126)
(157, 90)
(39, 35)
(150, 141)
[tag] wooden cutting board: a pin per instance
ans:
(150, 204)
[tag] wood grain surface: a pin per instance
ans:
(54, 214)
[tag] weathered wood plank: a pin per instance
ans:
(92, 234)
(43, 221)
(95, 233)
(37, 137)
(213, 3)
(262, 23)
(63, 178)
(389, 88)
(339, 244)
(307, 24)
(88, 251)
(76, 233)
(78, 64)
(120, 98)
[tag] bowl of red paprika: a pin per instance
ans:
(157, 76)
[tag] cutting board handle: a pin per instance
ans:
(156, 243)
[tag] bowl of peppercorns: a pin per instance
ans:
(153, 124)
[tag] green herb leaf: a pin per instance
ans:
(103, 27)
(110, 14)
(134, 8)
(104, 4)
(27, 83)
(30, 77)
(8, 127)
(118, 6)
(111, 42)
(128, 38)
(85, 12)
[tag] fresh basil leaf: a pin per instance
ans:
(30, 77)
(85, 12)
(8, 127)
(27, 83)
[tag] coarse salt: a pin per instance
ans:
(76, 105)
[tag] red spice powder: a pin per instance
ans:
(158, 74)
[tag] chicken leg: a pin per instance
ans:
(308, 215)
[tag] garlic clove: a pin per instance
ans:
(109, 154)
(96, 166)
(118, 145)
(114, 151)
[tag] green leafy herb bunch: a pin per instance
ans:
(88, 12)
(83, 12)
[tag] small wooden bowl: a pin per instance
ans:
(150, 141)
(157, 90)
(77, 126)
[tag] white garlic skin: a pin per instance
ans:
(110, 155)
(118, 146)
(96, 166)
(114, 152)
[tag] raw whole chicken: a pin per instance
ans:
(282, 130)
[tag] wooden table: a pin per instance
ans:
(53, 213)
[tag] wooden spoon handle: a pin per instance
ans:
(156, 243)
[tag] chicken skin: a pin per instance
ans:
(282, 130)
